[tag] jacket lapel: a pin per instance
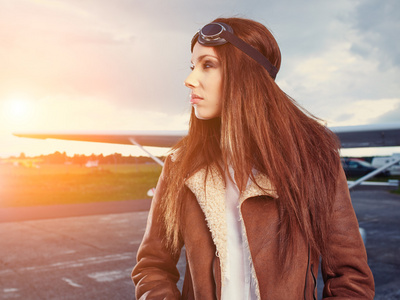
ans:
(211, 198)
(264, 188)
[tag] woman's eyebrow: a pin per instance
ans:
(202, 57)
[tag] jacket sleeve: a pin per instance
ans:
(349, 276)
(155, 274)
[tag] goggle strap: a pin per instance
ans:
(250, 51)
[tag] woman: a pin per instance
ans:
(255, 191)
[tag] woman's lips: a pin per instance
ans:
(195, 99)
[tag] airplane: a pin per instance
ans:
(359, 136)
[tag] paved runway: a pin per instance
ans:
(90, 256)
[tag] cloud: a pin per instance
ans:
(334, 76)
(366, 112)
(378, 26)
(392, 116)
(125, 61)
(122, 53)
(68, 113)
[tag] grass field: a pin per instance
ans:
(382, 179)
(64, 184)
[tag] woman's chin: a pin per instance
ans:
(199, 115)
(202, 116)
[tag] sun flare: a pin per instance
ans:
(17, 110)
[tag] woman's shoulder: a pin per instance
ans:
(173, 156)
(171, 159)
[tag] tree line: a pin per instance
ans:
(81, 159)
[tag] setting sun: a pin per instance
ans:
(17, 110)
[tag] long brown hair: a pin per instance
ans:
(260, 128)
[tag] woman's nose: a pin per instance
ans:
(191, 81)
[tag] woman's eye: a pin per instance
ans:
(207, 65)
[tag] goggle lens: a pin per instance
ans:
(211, 30)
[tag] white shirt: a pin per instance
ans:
(238, 283)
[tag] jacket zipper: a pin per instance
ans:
(315, 281)
(308, 267)
(313, 276)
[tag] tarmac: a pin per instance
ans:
(87, 251)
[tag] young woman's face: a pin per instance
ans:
(205, 82)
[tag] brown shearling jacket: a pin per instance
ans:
(203, 233)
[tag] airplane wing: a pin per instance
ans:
(143, 138)
(374, 135)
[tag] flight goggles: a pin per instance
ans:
(216, 34)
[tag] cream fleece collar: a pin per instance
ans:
(211, 199)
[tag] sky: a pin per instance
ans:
(120, 65)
